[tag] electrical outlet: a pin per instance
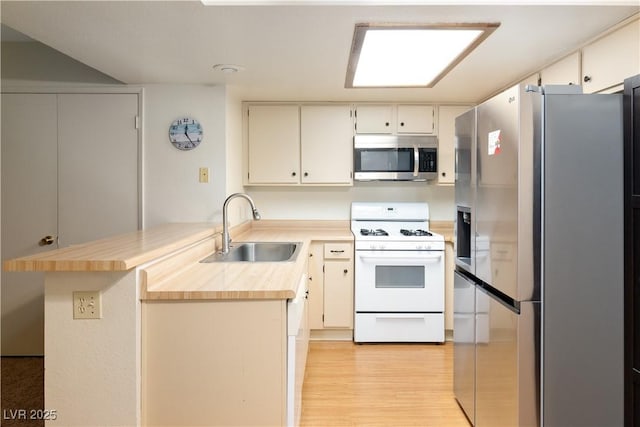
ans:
(204, 175)
(87, 305)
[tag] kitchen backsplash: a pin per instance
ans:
(335, 202)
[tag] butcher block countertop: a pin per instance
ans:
(176, 249)
(120, 253)
(443, 227)
(244, 280)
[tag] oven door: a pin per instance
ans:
(399, 281)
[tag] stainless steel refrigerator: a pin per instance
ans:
(538, 290)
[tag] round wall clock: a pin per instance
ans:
(185, 133)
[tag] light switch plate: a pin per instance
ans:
(87, 305)
(204, 175)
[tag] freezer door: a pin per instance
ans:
(464, 352)
(583, 300)
(507, 368)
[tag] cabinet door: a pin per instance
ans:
(374, 119)
(446, 142)
(564, 72)
(611, 59)
(327, 144)
(274, 144)
(338, 294)
(316, 286)
(416, 119)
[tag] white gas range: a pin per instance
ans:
(399, 274)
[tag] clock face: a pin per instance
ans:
(185, 133)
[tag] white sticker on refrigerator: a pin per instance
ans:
(494, 142)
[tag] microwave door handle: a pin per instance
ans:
(416, 161)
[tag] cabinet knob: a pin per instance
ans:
(386, 124)
(587, 79)
(401, 123)
(306, 174)
(444, 174)
(293, 174)
(46, 241)
(346, 271)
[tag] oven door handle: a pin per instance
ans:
(402, 259)
(400, 316)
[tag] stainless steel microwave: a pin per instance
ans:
(395, 157)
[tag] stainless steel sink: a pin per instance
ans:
(258, 252)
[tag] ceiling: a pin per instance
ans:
(299, 52)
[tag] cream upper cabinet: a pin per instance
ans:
(446, 141)
(326, 133)
(374, 119)
(395, 119)
(609, 60)
(292, 144)
(563, 72)
(416, 119)
(274, 144)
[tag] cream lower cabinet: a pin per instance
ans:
(331, 287)
(222, 363)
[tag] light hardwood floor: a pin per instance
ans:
(397, 385)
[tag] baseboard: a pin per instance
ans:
(448, 335)
(331, 335)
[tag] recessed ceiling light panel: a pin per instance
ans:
(403, 55)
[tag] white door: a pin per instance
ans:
(98, 172)
(69, 170)
(29, 212)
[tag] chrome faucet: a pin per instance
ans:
(226, 239)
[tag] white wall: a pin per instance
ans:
(335, 202)
(35, 64)
(238, 211)
(171, 189)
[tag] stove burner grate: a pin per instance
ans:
(378, 232)
(415, 232)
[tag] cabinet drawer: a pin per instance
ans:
(337, 250)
